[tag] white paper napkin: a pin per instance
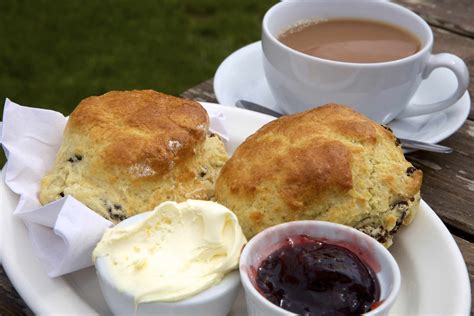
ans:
(63, 233)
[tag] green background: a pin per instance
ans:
(56, 53)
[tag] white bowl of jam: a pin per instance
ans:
(317, 268)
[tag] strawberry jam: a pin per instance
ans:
(311, 277)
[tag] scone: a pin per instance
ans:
(329, 163)
(125, 152)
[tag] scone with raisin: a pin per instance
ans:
(125, 152)
(329, 163)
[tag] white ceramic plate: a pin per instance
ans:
(241, 76)
(434, 275)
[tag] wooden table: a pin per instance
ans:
(448, 179)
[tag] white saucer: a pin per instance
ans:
(241, 76)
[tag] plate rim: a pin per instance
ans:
(39, 305)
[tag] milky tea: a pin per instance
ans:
(351, 40)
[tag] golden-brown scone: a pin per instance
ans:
(329, 163)
(125, 152)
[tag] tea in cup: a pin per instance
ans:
(369, 55)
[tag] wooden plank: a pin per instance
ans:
(10, 302)
(455, 16)
(467, 250)
(446, 42)
(448, 184)
(202, 92)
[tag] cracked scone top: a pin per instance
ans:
(125, 152)
(329, 163)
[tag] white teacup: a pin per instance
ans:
(382, 91)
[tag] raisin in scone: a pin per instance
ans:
(125, 152)
(329, 163)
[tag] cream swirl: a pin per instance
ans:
(178, 251)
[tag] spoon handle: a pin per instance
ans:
(414, 144)
(256, 107)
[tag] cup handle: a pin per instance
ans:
(458, 67)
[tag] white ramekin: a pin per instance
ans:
(215, 301)
(368, 249)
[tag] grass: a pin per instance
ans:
(55, 53)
